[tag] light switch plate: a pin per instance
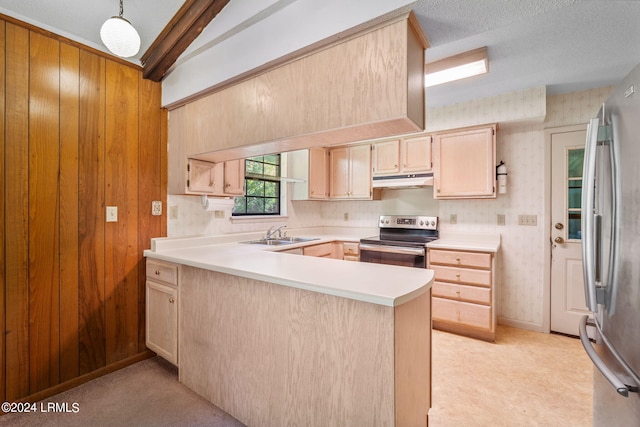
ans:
(112, 214)
(528, 220)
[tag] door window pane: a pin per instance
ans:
(575, 161)
(576, 158)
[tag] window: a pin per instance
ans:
(261, 187)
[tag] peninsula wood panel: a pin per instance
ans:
(331, 96)
(77, 128)
(44, 239)
(266, 346)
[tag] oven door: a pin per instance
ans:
(394, 255)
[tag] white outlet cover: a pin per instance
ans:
(156, 208)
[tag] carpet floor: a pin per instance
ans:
(524, 379)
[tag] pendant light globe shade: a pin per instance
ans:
(119, 36)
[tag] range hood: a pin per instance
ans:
(415, 180)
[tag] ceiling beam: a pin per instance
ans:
(184, 27)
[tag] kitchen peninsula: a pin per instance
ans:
(282, 339)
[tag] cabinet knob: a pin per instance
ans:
(157, 272)
(172, 300)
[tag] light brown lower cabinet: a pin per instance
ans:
(348, 251)
(324, 250)
(463, 292)
(162, 309)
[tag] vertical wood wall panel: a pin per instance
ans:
(121, 172)
(44, 240)
(150, 189)
(91, 218)
(2, 207)
(17, 216)
(78, 132)
(69, 127)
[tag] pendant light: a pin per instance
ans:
(119, 36)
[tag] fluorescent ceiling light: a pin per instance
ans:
(457, 67)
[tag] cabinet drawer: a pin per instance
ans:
(463, 313)
(462, 275)
(321, 250)
(462, 259)
(351, 248)
(462, 292)
(161, 271)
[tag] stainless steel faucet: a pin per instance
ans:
(278, 230)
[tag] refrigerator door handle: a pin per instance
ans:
(620, 387)
(588, 205)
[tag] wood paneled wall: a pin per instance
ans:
(78, 132)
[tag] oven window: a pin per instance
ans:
(393, 259)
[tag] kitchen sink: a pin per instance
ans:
(281, 241)
(297, 239)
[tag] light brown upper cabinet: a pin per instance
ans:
(402, 156)
(464, 163)
(333, 93)
(350, 172)
(233, 177)
(215, 179)
(312, 167)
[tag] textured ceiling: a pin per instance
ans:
(565, 45)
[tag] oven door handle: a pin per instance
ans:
(393, 249)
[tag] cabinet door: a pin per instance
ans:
(416, 154)
(360, 171)
(234, 177)
(386, 158)
(339, 173)
(162, 320)
(465, 164)
(318, 173)
(201, 177)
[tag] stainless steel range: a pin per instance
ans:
(402, 240)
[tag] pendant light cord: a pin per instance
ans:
(121, 9)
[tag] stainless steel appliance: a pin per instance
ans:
(402, 240)
(611, 254)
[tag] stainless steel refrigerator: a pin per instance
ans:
(611, 254)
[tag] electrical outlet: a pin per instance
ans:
(346, 216)
(453, 219)
(528, 220)
(156, 207)
(173, 212)
(112, 214)
(500, 219)
(218, 214)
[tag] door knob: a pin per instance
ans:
(559, 226)
(559, 240)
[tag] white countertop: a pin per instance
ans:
(478, 242)
(375, 283)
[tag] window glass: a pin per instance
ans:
(262, 187)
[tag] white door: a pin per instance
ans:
(567, 285)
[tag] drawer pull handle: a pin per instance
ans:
(458, 276)
(157, 272)
(172, 300)
(458, 259)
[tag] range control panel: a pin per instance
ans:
(412, 222)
